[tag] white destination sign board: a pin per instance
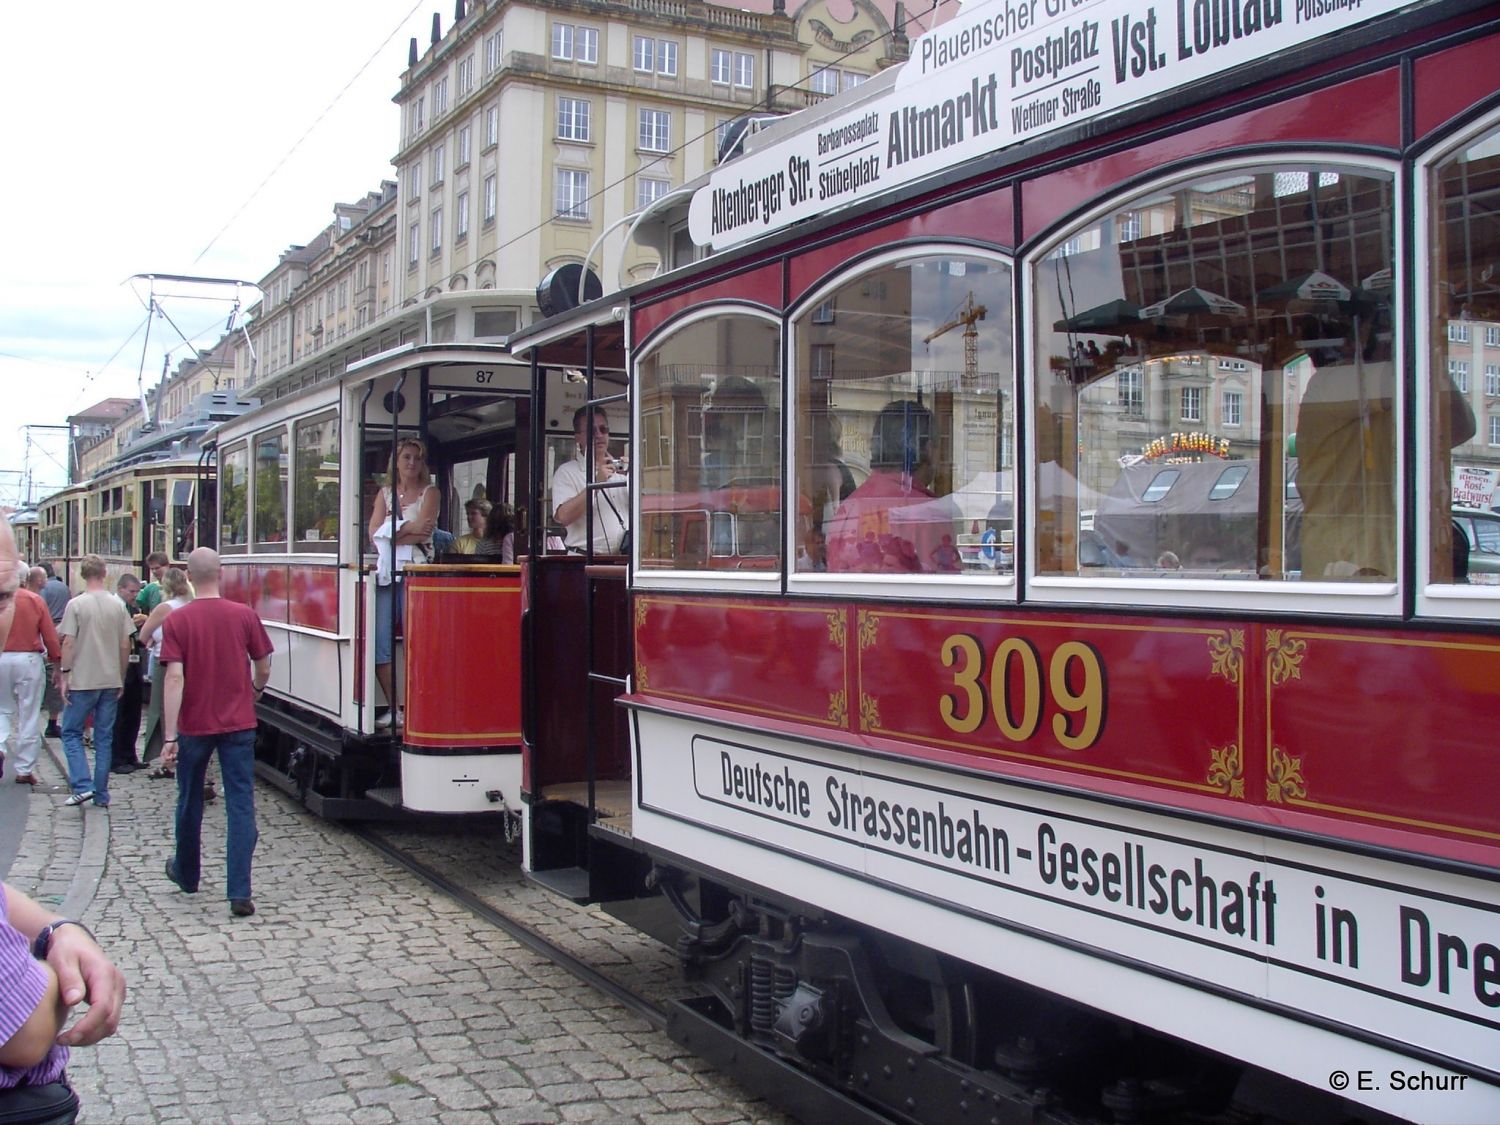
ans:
(1408, 954)
(1004, 72)
(1474, 487)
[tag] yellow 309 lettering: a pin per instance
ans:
(1013, 696)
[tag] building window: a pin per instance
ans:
(658, 55)
(414, 180)
(1495, 429)
(437, 230)
(744, 70)
(465, 76)
(1492, 337)
(587, 45)
(439, 155)
(649, 190)
(439, 97)
(1458, 371)
(572, 194)
(562, 41)
(1132, 399)
(719, 67)
(1128, 226)
(492, 127)
(1234, 408)
(1491, 380)
(1192, 404)
(417, 116)
(463, 146)
(655, 133)
(493, 53)
(462, 231)
(1458, 331)
(825, 81)
(853, 79)
(721, 131)
(414, 244)
(572, 119)
(489, 199)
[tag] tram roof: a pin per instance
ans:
(561, 340)
(422, 355)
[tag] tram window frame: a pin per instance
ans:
(991, 580)
(1164, 585)
(231, 492)
(716, 544)
(263, 508)
(1437, 595)
(304, 516)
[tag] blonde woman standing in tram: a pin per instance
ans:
(414, 499)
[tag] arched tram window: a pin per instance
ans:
(1244, 316)
(904, 420)
(1463, 334)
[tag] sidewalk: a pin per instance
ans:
(354, 995)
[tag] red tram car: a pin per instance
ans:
(1091, 836)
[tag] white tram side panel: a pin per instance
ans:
(1219, 937)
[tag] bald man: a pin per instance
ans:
(217, 657)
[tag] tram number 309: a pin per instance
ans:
(1006, 686)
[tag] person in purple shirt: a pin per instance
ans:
(48, 965)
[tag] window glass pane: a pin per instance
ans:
(711, 478)
(315, 492)
(904, 421)
(234, 499)
(1239, 318)
(1464, 429)
(270, 488)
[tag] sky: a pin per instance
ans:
(158, 138)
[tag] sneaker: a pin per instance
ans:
(79, 799)
(242, 907)
(52, 731)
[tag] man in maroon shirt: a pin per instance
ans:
(218, 658)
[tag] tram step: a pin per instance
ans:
(570, 882)
(390, 796)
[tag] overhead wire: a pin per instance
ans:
(308, 131)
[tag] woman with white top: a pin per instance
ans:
(412, 496)
(177, 592)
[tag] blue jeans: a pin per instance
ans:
(237, 764)
(101, 703)
(390, 603)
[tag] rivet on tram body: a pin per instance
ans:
(888, 1072)
(911, 1103)
(911, 1063)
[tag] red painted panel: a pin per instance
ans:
(315, 596)
(236, 582)
(463, 660)
(762, 285)
(272, 592)
(1397, 729)
(1381, 737)
(1449, 82)
(1363, 111)
(989, 217)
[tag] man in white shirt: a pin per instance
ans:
(570, 494)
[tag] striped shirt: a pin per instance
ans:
(23, 983)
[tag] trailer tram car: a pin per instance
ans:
(158, 494)
(1092, 836)
(298, 479)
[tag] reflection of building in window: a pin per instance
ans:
(1233, 408)
(1458, 371)
(1192, 404)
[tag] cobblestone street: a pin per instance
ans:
(355, 994)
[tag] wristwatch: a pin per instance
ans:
(43, 941)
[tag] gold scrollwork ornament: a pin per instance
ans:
(1227, 653)
(1286, 655)
(838, 707)
(1284, 781)
(869, 712)
(837, 636)
(1226, 770)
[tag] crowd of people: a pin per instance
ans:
(90, 662)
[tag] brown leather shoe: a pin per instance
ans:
(26, 779)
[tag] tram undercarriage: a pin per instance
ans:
(826, 1016)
